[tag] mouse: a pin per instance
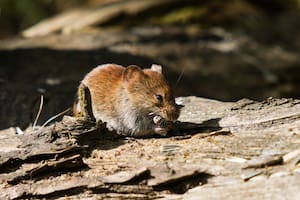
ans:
(130, 100)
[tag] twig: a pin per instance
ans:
(39, 112)
(224, 131)
(55, 116)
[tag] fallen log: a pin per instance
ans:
(77, 157)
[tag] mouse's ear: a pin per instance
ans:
(156, 68)
(132, 72)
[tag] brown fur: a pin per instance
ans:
(124, 98)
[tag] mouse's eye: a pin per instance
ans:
(159, 98)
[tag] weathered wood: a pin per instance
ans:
(71, 184)
(49, 142)
(79, 158)
(124, 176)
(286, 187)
(70, 163)
(264, 162)
(164, 177)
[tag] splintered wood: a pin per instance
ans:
(217, 150)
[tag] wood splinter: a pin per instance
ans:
(84, 107)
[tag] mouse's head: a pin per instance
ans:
(148, 90)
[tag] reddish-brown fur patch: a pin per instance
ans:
(121, 94)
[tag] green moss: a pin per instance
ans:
(23, 12)
(31, 11)
(181, 15)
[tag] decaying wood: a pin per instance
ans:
(124, 176)
(165, 177)
(77, 157)
(264, 162)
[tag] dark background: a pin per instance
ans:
(224, 50)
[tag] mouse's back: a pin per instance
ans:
(128, 99)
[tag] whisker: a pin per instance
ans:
(179, 78)
(153, 113)
(55, 116)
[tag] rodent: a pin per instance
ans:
(130, 100)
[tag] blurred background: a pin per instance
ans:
(224, 50)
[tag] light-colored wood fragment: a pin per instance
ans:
(291, 155)
(83, 17)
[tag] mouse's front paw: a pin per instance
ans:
(161, 125)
